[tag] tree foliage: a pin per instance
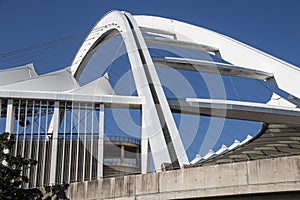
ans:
(11, 168)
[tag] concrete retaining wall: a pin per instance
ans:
(251, 177)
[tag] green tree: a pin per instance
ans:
(11, 168)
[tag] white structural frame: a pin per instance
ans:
(158, 129)
(252, 63)
(54, 143)
(231, 50)
(237, 110)
(157, 118)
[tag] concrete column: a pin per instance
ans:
(54, 143)
(122, 154)
(101, 142)
(137, 156)
(9, 127)
(144, 143)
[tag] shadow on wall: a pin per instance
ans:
(49, 192)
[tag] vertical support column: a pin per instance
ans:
(38, 144)
(84, 142)
(9, 119)
(9, 127)
(64, 144)
(137, 157)
(54, 143)
(144, 144)
(101, 142)
(144, 155)
(71, 144)
(122, 154)
(77, 143)
(92, 144)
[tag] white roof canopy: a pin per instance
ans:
(100, 86)
(12, 75)
(56, 82)
(25, 78)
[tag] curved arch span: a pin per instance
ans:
(157, 126)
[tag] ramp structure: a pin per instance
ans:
(58, 118)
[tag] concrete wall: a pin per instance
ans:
(251, 177)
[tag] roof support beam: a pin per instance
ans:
(210, 67)
(231, 50)
(110, 101)
(157, 31)
(237, 110)
(179, 44)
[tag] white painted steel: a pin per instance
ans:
(84, 141)
(115, 100)
(180, 44)
(45, 145)
(231, 50)
(101, 142)
(211, 67)
(124, 23)
(31, 141)
(64, 142)
(9, 125)
(38, 142)
(144, 146)
(18, 127)
(92, 142)
(71, 143)
(237, 110)
(165, 111)
(24, 129)
(54, 146)
(77, 141)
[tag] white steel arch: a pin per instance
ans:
(230, 50)
(148, 84)
(158, 125)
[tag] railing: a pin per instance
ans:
(130, 161)
(63, 137)
(82, 136)
(117, 138)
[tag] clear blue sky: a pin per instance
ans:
(269, 25)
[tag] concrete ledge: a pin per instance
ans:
(251, 177)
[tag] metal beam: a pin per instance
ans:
(231, 50)
(157, 31)
(237, 110)
(114, 101)
(210, 67)
(163, 113)
(179, 44)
